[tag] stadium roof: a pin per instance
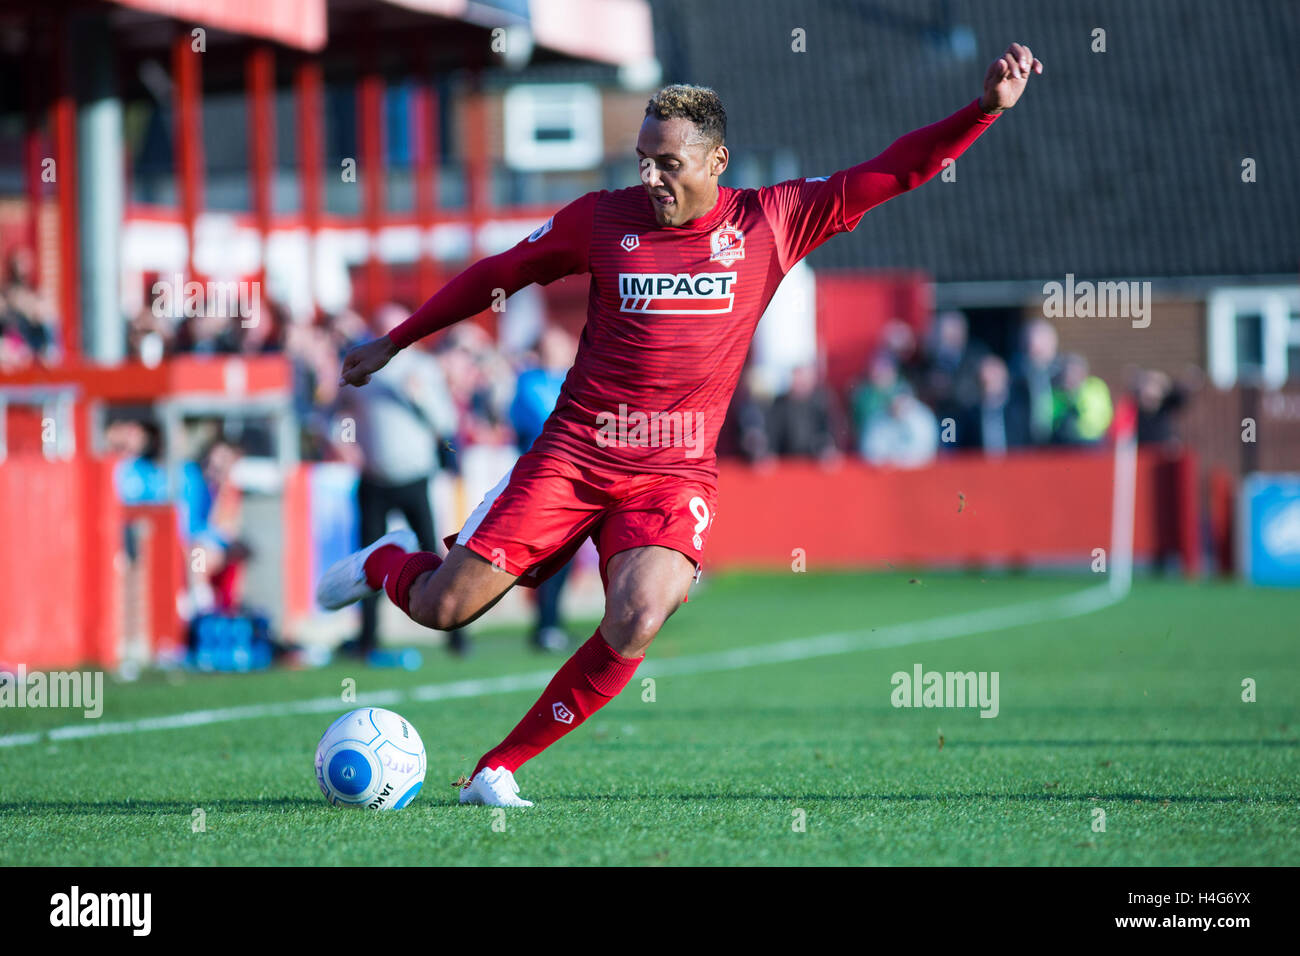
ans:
(606, 31)
(299, 23)
(1126, 163)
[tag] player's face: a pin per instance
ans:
(678, 169)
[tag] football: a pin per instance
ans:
(370, 758)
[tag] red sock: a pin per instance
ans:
(589, 680)
(395, 571)
(382, 562)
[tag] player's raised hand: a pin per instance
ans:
(365, 360)
(1007, 77)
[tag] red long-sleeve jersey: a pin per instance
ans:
(672, 309)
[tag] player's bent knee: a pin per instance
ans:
(632, 628)
(644, 625)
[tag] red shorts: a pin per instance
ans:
(535, 519)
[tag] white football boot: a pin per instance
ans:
(493, 788)
(345, 581)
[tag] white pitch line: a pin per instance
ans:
(896, 635)
(824, 645)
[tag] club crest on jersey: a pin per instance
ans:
(704, 293)
(727, 243)
(630, 242)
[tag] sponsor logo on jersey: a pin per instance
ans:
(541, 230)
(727, 243)
(703, 293)
(630, 241)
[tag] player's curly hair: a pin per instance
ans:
(699, 104)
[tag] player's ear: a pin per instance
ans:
(718, 163)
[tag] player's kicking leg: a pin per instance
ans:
(646, 585)
(441, 594)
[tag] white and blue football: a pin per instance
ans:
(370, 758)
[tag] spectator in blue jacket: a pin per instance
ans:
(536, 392)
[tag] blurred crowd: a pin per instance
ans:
(951, 392)
(916, 399)
(919, 400)
(26, 317)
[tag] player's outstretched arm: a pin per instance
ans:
(557, 248)
(469, 293)
(919, 155)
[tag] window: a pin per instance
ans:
(1254, 336)
(553, 126)
(340, 134)
(1250, 347)
(1293, 345)
(225, 151)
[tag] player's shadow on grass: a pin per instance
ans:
(155, 807)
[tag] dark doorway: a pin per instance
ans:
(998, 328)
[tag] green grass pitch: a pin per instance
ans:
(1136, 710)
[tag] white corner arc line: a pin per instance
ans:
(806, 648)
